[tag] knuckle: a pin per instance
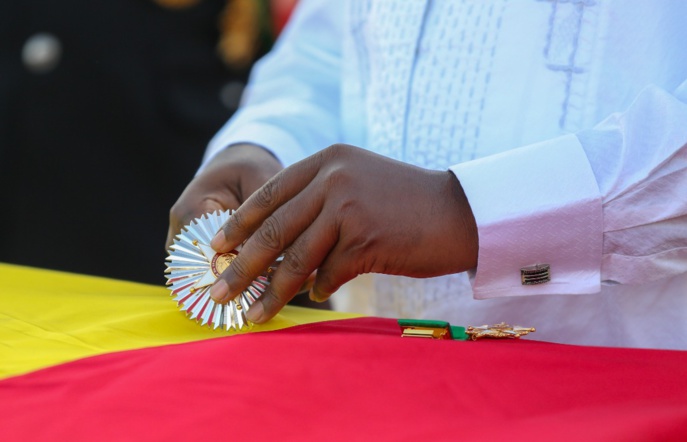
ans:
(338, 176)
(240, 270)
(267, 195)
(295, 264)
(177, 212)
(361, 240)
(174, 211)
(270, 236)
(236, 222)
(335, 271)
(336, 150)
(271, 301)
(179, 216)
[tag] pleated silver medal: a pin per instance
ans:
(193, 266)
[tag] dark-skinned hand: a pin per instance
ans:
(346, 211)
(225, 183)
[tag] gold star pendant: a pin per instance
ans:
(498, 331)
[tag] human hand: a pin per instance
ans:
(227, 181)
(346, 211)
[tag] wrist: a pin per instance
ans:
(244, 152)
(243, 157)
(464, 232)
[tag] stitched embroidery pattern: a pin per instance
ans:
(457, 57)
(563, 51)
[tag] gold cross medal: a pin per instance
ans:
(193, 266)
(423, 328)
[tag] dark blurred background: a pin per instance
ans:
(105, 111)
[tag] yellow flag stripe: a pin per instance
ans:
(49, 317)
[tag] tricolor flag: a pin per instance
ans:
(84, 358)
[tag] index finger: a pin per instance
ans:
(265, 201)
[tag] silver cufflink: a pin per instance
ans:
(536, 274)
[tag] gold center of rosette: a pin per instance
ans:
(221, 261)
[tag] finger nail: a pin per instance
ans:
(255, 312)
(218, 241)
(219, 290)
(317, 296)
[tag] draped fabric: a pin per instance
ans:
(346, 379)
(48, 317)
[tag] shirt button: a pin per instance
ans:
(41, 53)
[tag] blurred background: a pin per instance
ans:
(105, 111)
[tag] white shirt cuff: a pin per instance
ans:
(539, 204)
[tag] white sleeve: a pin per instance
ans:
(608, 205)
(291, 104)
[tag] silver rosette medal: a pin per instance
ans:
(193, 266)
